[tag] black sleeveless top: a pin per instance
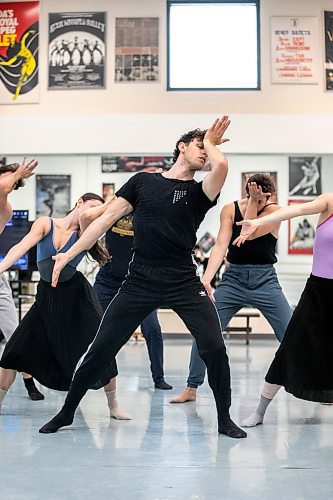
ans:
(258, 251)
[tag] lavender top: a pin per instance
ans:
(323, 250)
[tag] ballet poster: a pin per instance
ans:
(329, 49)
(53, 195)
(136, 163)
(301, 232)
(305, 176)
(136, 49)
(19, 32)
(77, 50)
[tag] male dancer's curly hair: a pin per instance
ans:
(12, 167)
(187, 138)
(265, 181)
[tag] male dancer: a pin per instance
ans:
(250, 277)
(11, 178)
(119, 241)
(168, 209)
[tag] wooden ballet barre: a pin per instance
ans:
(247, 328)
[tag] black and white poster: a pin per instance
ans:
(136, 49)
(77, 50)
(305, 176)
(53, 195)
(328, 19)
(135, 163)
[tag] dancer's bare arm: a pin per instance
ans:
(38, 230)
(220, 248)
(251, 212)
(213, 182)
(93, 213)
(322, 205)
(117, 209)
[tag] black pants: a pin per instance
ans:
(106, 286)
(144, 290)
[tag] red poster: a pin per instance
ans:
(19, 31)
(301, 231)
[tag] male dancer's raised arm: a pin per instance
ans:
(214, 180)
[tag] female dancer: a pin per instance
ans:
(303, 362)
(62, 322)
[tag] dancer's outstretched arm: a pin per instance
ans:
(321, 205)
(37, 232)
(117, 209)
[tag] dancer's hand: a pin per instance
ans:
(215, 133)
(248, 228)
(256, 193)
(61, 260)
(26, 170)
(208, 289)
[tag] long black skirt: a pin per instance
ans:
(303, 363)
(55, 333)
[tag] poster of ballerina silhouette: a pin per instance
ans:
(77, 50)
(19, 32)
(136, 49)
(305, 176)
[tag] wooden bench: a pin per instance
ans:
(246, 328)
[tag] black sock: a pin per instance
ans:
(62, 419)
(229, 428)
(33, 392)
(162, 384)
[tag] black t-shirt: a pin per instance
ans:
(119, 242)
(167, 214)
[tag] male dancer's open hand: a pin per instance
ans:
(215, 133)
(61, 260)
(25, 170)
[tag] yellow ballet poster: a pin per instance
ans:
(19, 33)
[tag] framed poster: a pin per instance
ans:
(294, 50)
(328, 21)
(77, 50)
(108, 191)
(19, 46)
(301, 231)
(136, 49)
(52, 195)
(136, 163)
(245, 178)
(305, 176)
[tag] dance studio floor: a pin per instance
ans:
(168, 451)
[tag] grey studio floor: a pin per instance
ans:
(168, 451)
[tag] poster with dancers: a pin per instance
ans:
(19, 46)
(136, 49)
(305, 176)
(247, 175)
(301, 231)
(77, 50)
(136, 163)
(108, 191)
(328, 21)
(53, 195)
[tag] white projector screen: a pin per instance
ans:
(213, 45)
